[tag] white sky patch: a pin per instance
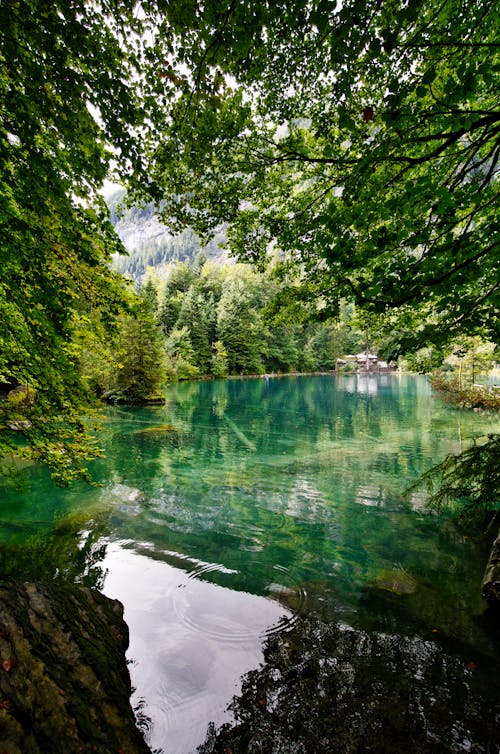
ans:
(108, 188)
(282, 132)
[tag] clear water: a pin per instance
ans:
(241, 504)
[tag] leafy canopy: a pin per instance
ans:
(67, 93)
(361, 140)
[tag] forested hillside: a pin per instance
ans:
(200, 314)
(149, 242)
(210, 319)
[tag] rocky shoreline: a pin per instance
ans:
(64, 681)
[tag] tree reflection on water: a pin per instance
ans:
(332, 688)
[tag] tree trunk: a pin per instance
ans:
(491, 580)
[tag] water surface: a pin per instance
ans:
(241, 504)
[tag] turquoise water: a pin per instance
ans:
(241, 504)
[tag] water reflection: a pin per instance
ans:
(239, 502)
(329, 689)
(190, 642)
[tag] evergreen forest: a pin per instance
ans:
(210, 320)
(348, 154)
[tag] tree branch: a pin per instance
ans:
(476, 303)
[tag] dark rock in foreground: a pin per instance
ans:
(331, 689)
(64, 682)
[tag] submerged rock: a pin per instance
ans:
(394, 580)
(156, 429)
(64, 682)
(333, 689)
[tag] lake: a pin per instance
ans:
(238, 507)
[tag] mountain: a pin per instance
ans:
(149, 242)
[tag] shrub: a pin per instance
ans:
(465, 396)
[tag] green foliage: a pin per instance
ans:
(280, 348)
(471, 357)
(138, 371)
(328, 344)
(238, 328)
(96, 361)
(197, 316)
(149, 296)
(181, 352)
(423, 361)
(219, 366)
(169, 310)
(468, 482)
(216, 322)
(66, 94)
(361, 140)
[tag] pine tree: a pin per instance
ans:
(195, 315)
(238, 329)
(141, 356)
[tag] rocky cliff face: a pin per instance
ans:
(150, 244)
(64, 683)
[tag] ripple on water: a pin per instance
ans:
(230, 628)
(294, 597)
(250, 537)
(203, 568)
(191, 641)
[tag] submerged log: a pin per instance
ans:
(491, 580)
(64, 682)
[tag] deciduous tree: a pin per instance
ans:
(362, 140)
(66, 95)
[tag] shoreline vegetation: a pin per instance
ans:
(445, 386)
(260, 376)
(451, 390)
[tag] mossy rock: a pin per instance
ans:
(64, 681)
